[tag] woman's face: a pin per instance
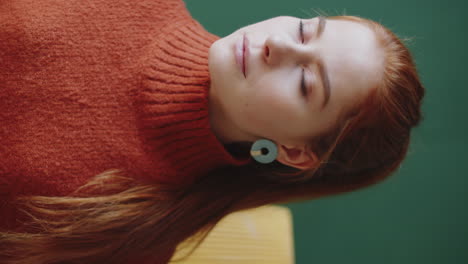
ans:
(295, 84)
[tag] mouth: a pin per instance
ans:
(245, 54)
(241, 52)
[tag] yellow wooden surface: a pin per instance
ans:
(262, 235)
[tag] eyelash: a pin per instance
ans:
(301, 30)
(301, 33)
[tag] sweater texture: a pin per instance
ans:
(88, 86)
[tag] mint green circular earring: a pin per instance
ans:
(264, 151)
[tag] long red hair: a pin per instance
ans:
(113, 219)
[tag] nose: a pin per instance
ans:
(278, 50)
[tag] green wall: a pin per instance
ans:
(419, 215)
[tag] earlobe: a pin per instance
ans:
(296, 156)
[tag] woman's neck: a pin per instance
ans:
(221, 124)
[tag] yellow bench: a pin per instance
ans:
(262, 235)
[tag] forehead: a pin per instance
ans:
(353, 59)
(352, 42)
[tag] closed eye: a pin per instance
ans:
(301, 31)
(301, 34)
(303, 85)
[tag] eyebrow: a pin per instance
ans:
(321, 65)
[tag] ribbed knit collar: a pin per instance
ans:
(173, 103)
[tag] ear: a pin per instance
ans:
(299, 157)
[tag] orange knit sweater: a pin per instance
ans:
(88, 86)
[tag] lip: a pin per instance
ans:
(241, 53)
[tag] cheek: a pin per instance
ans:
(271, 105)
(274, 95)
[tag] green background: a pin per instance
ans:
(419, 214)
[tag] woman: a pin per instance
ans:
(127, 127)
